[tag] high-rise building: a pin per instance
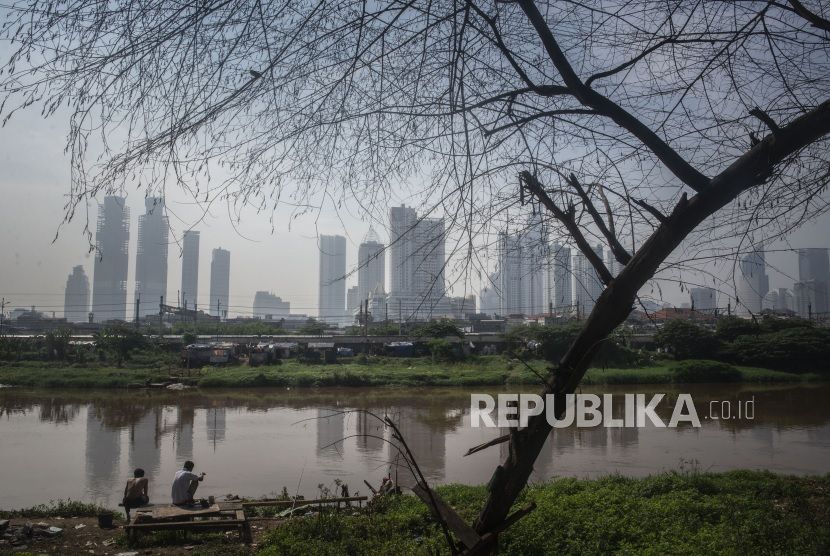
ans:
(703, 298)
(753, 282)
(560, 278)
(417, 261)
(780, 300)
(522, 262)
(112, 239)
(814, 277)
(269, 306)
(190, 269)
(76, 296)
(586, 282)
(353, 300)
(371, 270)
(151, 259)
(220, 280)
(332, 290)
(810, 298)
(612, 263)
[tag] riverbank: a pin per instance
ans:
(672, 513)
(380, 371)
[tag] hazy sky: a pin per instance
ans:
(34, 179)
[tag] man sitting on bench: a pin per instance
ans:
(185, 484)
(135, 493)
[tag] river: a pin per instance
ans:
(84, 444)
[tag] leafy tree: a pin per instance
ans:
(729, 328)
(313, 327)
(441, 349)
(440, 328)
(57, 343)
(797, 349)
(687, 340)
(118, 342)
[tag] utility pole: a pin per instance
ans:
(161, 315)
(400, 319)
(137, 305)
(2, 316)
(366, 329)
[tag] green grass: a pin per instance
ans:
(61, 508)
(381, 371)
(738, 512)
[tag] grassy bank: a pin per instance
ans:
(476, 371)
(739, 512)
(731, 513)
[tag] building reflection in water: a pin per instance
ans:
(145, 436)
(370, 433)
(103, 454)
(426, 441)
(215, 425)
(184, 433)
(330, 425)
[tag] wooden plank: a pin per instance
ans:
(187, 525)
(170, 512)
(457, 525)
(298, 503)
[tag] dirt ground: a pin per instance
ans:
(83, 536)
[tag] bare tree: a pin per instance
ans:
(651, 127)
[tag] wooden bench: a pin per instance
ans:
(215, 518)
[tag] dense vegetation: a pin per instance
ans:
(793, 345)
(738, 512)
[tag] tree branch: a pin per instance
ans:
(587, 96)
(617, 249)
(567, 218)
(815, 19)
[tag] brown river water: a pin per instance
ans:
(84, 444)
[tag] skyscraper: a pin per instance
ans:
(112, 238)
(269, 306)
(371, 260)
(151, 259)
(190, 269)
(812, 289)
(332, 287)
(220, 278)
(560, 278)
(703, 299)
(76, 296)
(417, 260)
(753, 282)
(587, 285)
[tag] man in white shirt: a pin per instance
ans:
(185, 484)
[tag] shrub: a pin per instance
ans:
(729, 328)
(687, 340)
(702, 370)
(793, 349)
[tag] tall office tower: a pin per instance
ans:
(371, 260)
(810, 298)
(703, 299)
(190, 269)
(151, 260)
(560, 278)
(753, 282)
(489, 298)
(612, 263)
(417, 260)
(220, 280)
(76, 296)
(587, 285)
(778, 300)
(814, 277)
(353, 300)
(269, 306)
(332, 290)
(522, 262)
(112, 239)
(534, 253)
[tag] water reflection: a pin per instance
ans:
(301, 438)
